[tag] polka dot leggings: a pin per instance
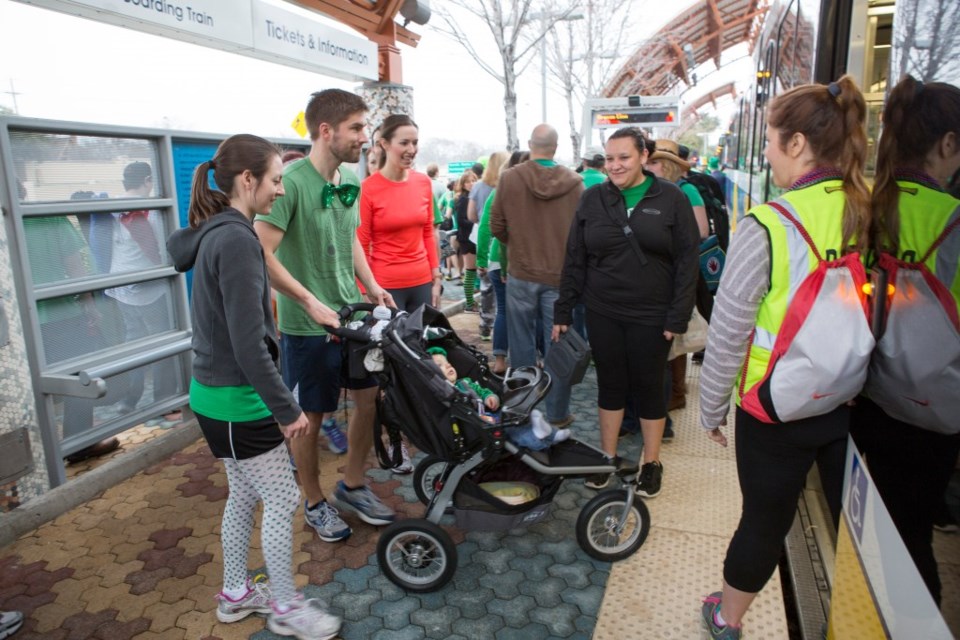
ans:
(267, 477)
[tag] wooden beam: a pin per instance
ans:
(715, 45)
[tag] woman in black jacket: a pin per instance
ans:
(632, 260)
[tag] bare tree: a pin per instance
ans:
(516, 34)
(927, 40)
(582, 54)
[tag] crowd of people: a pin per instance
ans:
(612, 251)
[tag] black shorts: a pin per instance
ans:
(240, 440)
(315, 370)
(466, 248)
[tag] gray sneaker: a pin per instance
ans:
(364, 503)
(306, 620)
(257, 600)
(327, 521)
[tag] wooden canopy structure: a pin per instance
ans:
(699, 34)
(375, 19)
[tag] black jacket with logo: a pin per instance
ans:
(604, 272)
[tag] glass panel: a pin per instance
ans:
(74, 326)
(65, 248)
(54, 167)
(126, 392)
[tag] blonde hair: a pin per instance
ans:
(491, 174)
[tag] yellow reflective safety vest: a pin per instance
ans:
(914, 374)
(812, 341)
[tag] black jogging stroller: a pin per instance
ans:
(465, 450)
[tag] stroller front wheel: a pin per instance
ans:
(606, 532)
(417, 555)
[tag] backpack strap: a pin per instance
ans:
(943, 236)
(627, 231)
(803, 230)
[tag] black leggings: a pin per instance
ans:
(773, 461)
(410, 299)
(911, 468)
(630, 361)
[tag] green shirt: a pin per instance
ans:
(546, 163)
(54, 243)
(437, 213)
(488, 247)
(317, 245)
(230, 404)
(696, 200)
(634, 194)
(592, 177)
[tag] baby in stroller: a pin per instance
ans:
(536, 436)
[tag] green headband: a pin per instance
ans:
(437, 351)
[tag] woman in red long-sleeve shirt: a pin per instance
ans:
(396, 220)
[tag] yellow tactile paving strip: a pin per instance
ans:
(656, 593)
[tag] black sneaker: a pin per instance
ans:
(651, 476)
(667, 433)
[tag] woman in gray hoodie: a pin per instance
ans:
(237, 394)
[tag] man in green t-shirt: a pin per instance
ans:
(592, 167)
(314, 260)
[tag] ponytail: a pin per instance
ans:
(204, 201)
(236, 154)
(832, 118)
(916, 117)
(856, 208)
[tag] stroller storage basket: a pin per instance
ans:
(477, 510)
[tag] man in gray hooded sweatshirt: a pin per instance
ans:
(531, 214)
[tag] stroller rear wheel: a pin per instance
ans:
(417, 555)
(426, 477)
(603, 531)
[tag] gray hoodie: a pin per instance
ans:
(234, 337)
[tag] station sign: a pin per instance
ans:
(456, 168)
(252, 28)
(643, 111)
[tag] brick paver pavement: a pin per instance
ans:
(143, 560)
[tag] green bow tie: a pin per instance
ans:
(346, 192)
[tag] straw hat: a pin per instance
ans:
(669, 150)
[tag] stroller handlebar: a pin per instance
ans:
(346, 312)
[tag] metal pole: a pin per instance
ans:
(543, 76)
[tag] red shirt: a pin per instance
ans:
(396, 230)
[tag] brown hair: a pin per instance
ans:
(332, 106)
(518, 157)
(831, 118)
(634, 133)
(235, 155)
(916, 117)
(495, 164)
(388, 129)
(462, 181)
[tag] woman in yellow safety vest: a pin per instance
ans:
(918, 152)
(816, 146)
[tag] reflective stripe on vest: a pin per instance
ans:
(819, 207)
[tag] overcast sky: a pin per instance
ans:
(70, 68)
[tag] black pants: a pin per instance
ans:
(911, 468)
(630, 362)
(773, 461)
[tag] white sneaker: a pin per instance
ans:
(256, 600)
(306, 620)
(405, 466)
